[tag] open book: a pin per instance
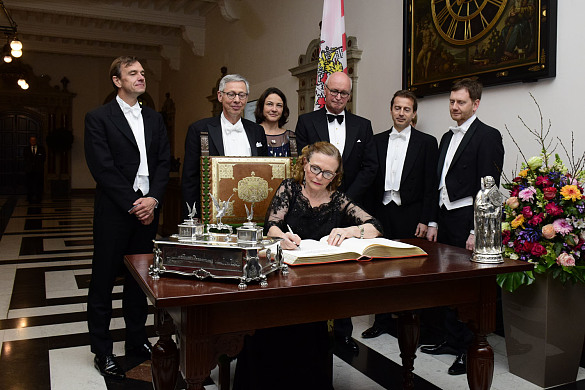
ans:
(317, 252)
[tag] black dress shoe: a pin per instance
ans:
(439, 349)
(348, 343)
(108, 367)
(373, 332)
(143, 351)
(459, 366)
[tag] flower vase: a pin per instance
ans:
(545, 326)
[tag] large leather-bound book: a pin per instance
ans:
(247, 180)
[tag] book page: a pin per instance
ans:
(359, 245)
(311, 248)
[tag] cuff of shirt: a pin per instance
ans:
(433, 225)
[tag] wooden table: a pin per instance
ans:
(212, 318)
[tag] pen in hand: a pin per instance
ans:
(291, 232)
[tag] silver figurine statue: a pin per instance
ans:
(488, 223)
(250, 213)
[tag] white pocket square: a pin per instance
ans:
(258, 144)
(359, 140)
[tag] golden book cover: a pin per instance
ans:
(319, 252)
(242, 182)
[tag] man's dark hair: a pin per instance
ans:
(259, 111)
(404, 93)
(473, 87)
(115, 68)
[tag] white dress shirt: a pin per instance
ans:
(235, 140)
(337, 131)
(458, 134)
(395, 156)
(134, 117)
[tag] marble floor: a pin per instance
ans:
(45, 268)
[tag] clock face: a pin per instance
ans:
(461, 22)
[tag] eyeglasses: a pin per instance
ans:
(232, 95)
(328, 175)
(335, 92)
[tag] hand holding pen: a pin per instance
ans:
(290, 240)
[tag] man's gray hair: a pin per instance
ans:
(231, 78)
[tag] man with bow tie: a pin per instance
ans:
(354, 138)
(228, 135)
(467, 153)
(405, 189)
(128, 154)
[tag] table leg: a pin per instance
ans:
(408, 326)
(165, 355)
(480, 363)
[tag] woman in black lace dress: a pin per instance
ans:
(295, 357)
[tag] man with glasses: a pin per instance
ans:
(354, 138)
(228, 134)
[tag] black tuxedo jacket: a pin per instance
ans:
(359, 153)
(34, 163)
(113, 157)
(191, 179)
(480, 153)
(418, 182)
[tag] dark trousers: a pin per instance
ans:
(35, 182)
(116, 233)
(454, 227)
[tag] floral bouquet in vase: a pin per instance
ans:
(544, 216)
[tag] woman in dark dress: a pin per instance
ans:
(272, 113)
(296, 356)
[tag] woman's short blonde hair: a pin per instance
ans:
(325, 148)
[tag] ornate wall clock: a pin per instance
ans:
(496, 41)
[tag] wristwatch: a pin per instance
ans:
(362, 231)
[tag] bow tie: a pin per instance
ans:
(397, 136)
(457, 129)
(331, 118)
(134, 110)
(233, 129)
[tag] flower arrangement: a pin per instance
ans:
(544, 215)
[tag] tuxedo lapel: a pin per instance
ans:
(149, 122)
(445, 141)
(466, 138)
(412, 152)
(215, 135)
(251, 138)
(320, 123)
(117, 117)
(383, 153)
(351, 134)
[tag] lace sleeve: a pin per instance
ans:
(355, 215)
(279, 206)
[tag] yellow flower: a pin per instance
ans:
(518, 221)
(523, 173)
(571, 192)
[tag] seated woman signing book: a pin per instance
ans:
(295, 357)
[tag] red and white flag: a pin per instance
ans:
(333, 50)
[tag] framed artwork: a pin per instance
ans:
(241, 181)
(494, 41)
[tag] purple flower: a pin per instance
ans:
(529, 234)
(527, 194)
(562, 226)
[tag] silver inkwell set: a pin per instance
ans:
(213, 251)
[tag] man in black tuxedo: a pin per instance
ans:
(467, 153)
(354, 138)
(228, 135)
(128, 154)
(405, 189)
(34, 167)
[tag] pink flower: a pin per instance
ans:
(553, 210)
(527, 212)
(512, 202)
(566, 260)
(562, 226)
(548, 231)
(527, 194)
(537, 219)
